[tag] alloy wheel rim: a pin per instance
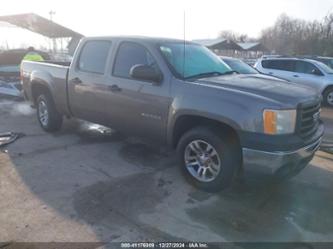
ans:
(43, 113)
(202, 161)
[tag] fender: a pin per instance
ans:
(42, 78)
(176, 114)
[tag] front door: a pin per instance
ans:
(141, 107)
(305, 74)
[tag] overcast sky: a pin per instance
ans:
(164, 18)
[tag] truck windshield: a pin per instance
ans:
(195, 61)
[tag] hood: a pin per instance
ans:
(264, 86)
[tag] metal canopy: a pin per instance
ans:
(252, 46)
(219, 44)
(40, 25)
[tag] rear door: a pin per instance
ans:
(87, 83)
(141, 107)
(281, 68)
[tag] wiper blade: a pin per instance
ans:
(230, 72)
(209, 74)
(202, 75)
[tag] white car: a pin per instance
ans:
(302, 71)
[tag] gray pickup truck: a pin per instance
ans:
(179, 93)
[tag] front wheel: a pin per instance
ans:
(208, 159)
(328, 96)
(49, 118)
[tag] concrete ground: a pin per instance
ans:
(89, 184)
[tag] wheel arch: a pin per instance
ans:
(190, 121)
(327, 87)
(38, 87)
(325, 102)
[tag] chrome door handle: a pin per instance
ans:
(114, 88)
(76, 80)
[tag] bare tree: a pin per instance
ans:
(230, 35)
(295, 36)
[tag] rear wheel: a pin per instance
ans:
(49, 118)
(328, 96)
(208, 159)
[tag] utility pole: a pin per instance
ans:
(52, 13)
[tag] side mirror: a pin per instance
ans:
(147, 73)
(317, 72)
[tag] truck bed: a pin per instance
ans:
(60, 63)
(52, 74)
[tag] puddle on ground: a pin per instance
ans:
(90, 132)
(118, 204)
(147, 156)
(258, 209)
(129, 196)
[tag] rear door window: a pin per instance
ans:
(93, 56)
(285, 65)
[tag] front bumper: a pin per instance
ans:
(279, 162)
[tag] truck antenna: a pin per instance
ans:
(184, 26)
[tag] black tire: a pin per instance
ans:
(226, 147)
(328, 93)
(54, 120)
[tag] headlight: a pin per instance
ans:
(279, 121)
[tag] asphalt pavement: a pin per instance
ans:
(88, 183)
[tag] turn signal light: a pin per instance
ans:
(270, 122)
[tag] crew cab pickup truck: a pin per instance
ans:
(181, 94)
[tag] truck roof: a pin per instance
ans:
(155, 40)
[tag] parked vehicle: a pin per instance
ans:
(238, 65)
(328, 61)
(10, 61)
(303, 71)
(10, 81)
(219, 122)
(250, 62)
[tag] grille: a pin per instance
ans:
(309, 119)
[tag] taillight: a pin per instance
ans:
(21, 75)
